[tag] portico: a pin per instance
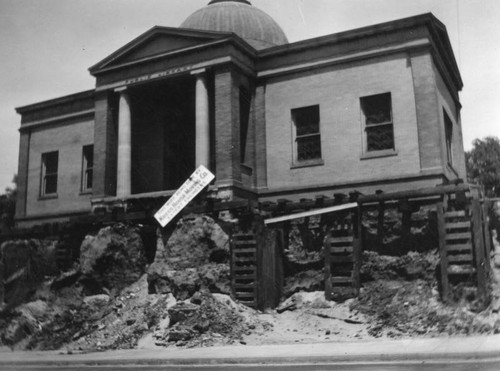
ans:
(163, 133)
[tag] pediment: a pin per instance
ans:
(155, 42)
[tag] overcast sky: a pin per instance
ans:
(46, 47)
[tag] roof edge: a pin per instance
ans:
(149, 33)
(437, 30)
(56, 101)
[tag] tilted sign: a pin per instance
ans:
(191, 187)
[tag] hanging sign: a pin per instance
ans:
(191, 187)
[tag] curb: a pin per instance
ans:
(392, 351)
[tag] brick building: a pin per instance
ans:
(367, 109)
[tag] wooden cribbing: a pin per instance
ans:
(479, 249)
(445, 288)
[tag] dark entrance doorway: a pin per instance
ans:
(163, 135)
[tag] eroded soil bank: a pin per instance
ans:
(114, 297)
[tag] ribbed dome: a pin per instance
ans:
(238, 16)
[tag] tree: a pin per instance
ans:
(8, 206)
(483, 164)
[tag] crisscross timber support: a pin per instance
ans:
(463, 231)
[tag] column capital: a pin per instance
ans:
(121, 89)
(199, 71)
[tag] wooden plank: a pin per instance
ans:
(243, 295)
(347, 239)
(248, 250)
(380, 223)
(454, 214)
(479, 250)
(244, 243)
(244, 285)
(458, 236)
(458, 225)
(245, 276)
(460, 258)
(442, 252)
(342, 259)
(486, 236)
(341, 279)
(422, 192)
(305, 214)
(357, 249)
(461, 269)
(328, 283)
(244, 259)
(341, 249)
(459, 247)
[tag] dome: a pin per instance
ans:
(238, 16)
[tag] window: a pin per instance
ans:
(379, 128)
(245, 101)
(448, 133)
(50, 162)
(307, 135)
(87, 167)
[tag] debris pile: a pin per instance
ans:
(194, 257)
(205, 320)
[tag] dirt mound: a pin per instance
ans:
(194, 257)
(25, 264)
(411, 266)
(214, 319)
(112, 260)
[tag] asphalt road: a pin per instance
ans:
(475, 353)
(474, 365)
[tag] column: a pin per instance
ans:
(202, 120)
(124, 166)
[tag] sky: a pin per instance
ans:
(47, 46)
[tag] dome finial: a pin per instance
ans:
(236, 1)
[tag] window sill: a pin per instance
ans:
(48, 197)
(86, 192)
(451, 168)
(378, 154)
(308, 163)
(245, 169)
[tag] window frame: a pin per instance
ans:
(45, 175)
(86, 169)
(364, 103)
(448, 137)
(296, 161)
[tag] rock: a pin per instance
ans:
(179, 334)
(196, 298)
(181, 311)
(202, 326)
(26, 263)
(286, 306)
(184, 283)
(96, 300)
(112, 259)
(19, 328)
(495, 306)
(192, 242)
(309, 280)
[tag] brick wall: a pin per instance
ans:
(430, 135)
(105, 147)
(446, 101)
(227, 135)
(22, 173)
(338, 91)
(68, 139)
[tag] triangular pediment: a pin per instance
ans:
(156, 42)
